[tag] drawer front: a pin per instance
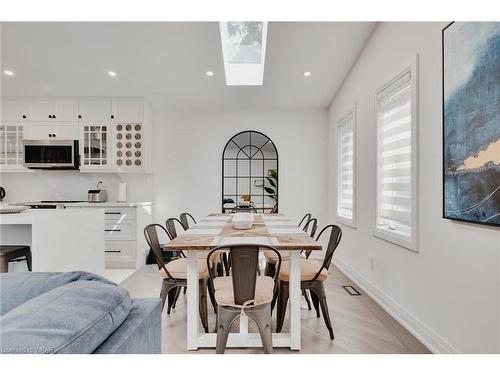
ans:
(124, 230)
(119, 214)
(120, 254)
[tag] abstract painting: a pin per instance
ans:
(471, 122)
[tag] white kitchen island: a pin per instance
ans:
(60, 239)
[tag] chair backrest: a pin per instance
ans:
(151, 236)
(311, 226)
(244, 209)
(275, 209)
(305, 219)
(333, 243)
(170, 225)
(244, 262)
(185, 220)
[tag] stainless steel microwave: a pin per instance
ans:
(53, 154)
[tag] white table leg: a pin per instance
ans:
(295, 294)
(192, 300)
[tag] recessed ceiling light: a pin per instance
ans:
(111, 73)
(209, 73)
(8, 72)
(307, 74)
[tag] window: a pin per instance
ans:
(346, 169)
(396, 160)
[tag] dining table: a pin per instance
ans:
(215, 230)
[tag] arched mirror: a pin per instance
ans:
(250, 173)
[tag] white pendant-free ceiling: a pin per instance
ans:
(244, 52)
(166, 62)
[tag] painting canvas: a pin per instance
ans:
(471, 122)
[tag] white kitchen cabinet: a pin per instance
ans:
(40, 110)
(11, 146)
(94, 110)
(51, 130)
(125, 246)
(123, 138)
(95, 149)
(14, 110)
(53, 110)
(65, 110)
(128, 111)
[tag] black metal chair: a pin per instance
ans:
(172, 231)
(244, 292)
(170, 225)
(274, 210)
(14, 253)
(305, 219)
(310, 228)
(312, 276)
(185, 220)
(174, 274)
(244, 209)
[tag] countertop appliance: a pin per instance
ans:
(97, 195)
(51, 154)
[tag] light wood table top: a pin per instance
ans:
(269, 229)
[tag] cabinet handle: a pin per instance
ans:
(112, 213)
(112, 116)
(24, 116)
(112, 230)
(54, 135)
(50, 116)
(50, 135)
(112, 251)
(53, 116)
(79, 116)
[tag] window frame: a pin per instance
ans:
(341, 122)
(409, 242)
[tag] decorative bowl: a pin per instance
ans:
(242, 220)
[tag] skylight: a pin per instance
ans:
(244, 52)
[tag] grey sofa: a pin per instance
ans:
(74, 312)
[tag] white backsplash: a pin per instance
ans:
(73, 185)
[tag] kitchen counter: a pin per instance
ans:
(60, 240)
(87, 204)
(109, 204)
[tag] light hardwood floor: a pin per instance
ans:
(360, 325)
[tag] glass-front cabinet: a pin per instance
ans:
(95, 149)
(11, 146)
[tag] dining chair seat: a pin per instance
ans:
(178, 269)
(308, 269)
(224, 295)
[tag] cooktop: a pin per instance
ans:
(62, 201)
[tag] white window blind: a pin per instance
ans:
(394, 154)
(345, 168)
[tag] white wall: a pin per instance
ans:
(188, 158)
(449, 292)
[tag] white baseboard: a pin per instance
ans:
(434, 342)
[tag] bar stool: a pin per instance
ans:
(11, 253)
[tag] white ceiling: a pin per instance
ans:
(166, 62)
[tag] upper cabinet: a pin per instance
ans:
(94, 110)
(65, 110)
(115, 134)
(14, 110)
(127, 111)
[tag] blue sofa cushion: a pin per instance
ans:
(73, 318)
(19, 287)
